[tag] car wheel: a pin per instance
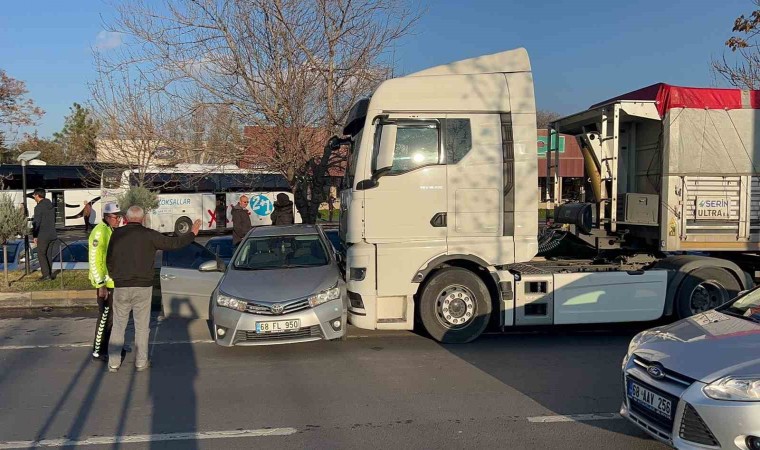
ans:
(704, 289)
(455, 306)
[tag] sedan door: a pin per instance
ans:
(186, 291)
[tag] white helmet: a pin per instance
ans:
(111, 208)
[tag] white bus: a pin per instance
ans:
(70, 188)
(207, 192)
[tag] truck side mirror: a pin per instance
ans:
(335, 142)
(384, 158)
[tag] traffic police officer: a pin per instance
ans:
(98, 247)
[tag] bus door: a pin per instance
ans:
(59, 206)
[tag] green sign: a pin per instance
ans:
(543, 142)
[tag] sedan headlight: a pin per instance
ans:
(324, 296)
(230, 302)
(737, 389)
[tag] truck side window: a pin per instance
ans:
(458, 139)
(416, 146)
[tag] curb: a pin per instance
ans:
(49, 299)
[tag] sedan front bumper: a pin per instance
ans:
(315, 324)
(700, 422)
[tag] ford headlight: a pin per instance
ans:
(737, 389)
(231, 302)
(324, 296)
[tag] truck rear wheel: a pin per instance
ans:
(455, 306)
(704, 289)
(183, 226)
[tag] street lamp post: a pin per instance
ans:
(24, 158)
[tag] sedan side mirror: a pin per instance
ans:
(211, 266)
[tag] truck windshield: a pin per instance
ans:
(356, 142)
(747, 306)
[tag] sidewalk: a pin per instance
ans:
(53, 299)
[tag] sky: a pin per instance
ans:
(581, 52)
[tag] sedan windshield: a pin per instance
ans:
(747, 306)
(281, 252)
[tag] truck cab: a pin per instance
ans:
(441, 175)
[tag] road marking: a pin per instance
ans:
(131, 439)
(575, 418)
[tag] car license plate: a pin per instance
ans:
(278, 326)
(650, 400)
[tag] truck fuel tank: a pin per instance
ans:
(579, 214)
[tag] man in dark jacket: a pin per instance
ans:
(241, 220)
(43, 231)
(283, 210)
(131, 255)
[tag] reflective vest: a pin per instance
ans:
(98, 249)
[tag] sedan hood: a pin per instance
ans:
(705, 347)
(278, 285)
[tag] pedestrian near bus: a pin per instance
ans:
(43, 231)
(130, 259)
(283, 210)
(241, 220)
(86, 213)
(103, 284)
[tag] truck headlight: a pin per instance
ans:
(231, 302)
(324, 296)
(737, 389)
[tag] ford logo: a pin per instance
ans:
(277, 308)
(656, 372)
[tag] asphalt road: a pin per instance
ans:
(558, 389)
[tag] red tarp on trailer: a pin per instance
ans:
(668, 97)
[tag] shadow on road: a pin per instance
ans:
(172, 382)
(574, 370)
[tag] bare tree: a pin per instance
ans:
(291, 67)
(132, 119)
(742, 68)
(15, 109)
(544, 117)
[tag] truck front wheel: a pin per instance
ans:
(455, 306)
(704, 289)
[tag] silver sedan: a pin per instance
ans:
(282, 285)
(695, 384)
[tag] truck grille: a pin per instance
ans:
(252, 336)
(694, 429)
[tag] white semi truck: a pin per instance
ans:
(440, 210)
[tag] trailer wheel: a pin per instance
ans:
(704, 289)
(455, 306)
(182, 226)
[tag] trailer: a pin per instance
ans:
(439, 218)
